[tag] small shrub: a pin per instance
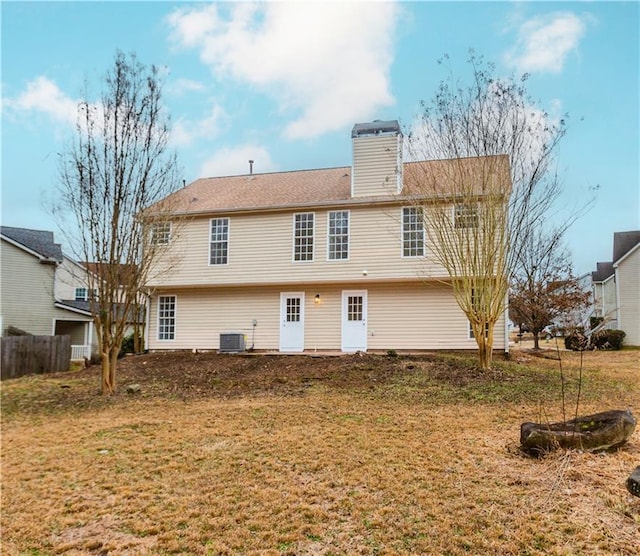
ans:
(608, 339)
(575, 342)
(127, 345)
(595, 321)
(392, 353)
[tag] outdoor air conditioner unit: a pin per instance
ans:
(232, 342)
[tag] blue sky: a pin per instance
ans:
(283, 83)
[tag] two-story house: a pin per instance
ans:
(325, 259)
(616, 287)
(42, 291)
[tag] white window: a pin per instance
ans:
(82, 294)
(303, 227)
(166, 317)
(294, 309)
(219, 243)
(338, 230)
(412, 232)
(465, 215)
(160, 233)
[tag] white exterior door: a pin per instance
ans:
(354, 320)
(292, 321)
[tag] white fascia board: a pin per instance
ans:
(72, 309)
(626, 255)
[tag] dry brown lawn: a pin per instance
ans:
(314, 455)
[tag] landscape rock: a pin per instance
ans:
(600, 431)
(133, 389)
(633, 482)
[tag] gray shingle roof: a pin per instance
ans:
(40, 241)
(604, 271)
(623, 242)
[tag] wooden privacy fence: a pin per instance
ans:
(25, 355)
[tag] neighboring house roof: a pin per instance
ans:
(603, 272)
(101, 269)
(39, 242)
(118, 308)
(623, 242)
(320, 187)
(81, 307)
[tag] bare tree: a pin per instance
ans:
(544, 290)
(500, 185)
(118, 164)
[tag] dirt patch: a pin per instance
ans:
(191, 376)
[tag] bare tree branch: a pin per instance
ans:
(118, 165)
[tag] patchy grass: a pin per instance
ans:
(313, 455)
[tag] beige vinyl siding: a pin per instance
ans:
(408, 316)
(628, 278)
(261, 252)
(605, 300)
(69, 276)
(376, 165)
(26, 293)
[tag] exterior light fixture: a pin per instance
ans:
(316, 299)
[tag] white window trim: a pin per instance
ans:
(86, 294)
(329, 259)
(153, 234)
(228, 241)
(455, 215)
(293, 237)
(175, 319)
(424, 236)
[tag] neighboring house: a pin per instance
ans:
(626, 263)
(39, 287)
(604, 294)
(617, 286)
(136, 315)
(327, 259)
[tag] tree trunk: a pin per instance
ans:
(536, 340)
(108, 382)
(112, 368)
(483, 335)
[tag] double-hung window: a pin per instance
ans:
(160, 233)
(82, 294)
(303, 228)
(219, 241)
(166, 317)
(338, 230)
(412, 232)
(465, 215)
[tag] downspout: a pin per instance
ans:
(147, 323)
(617, 284)
(506, 323)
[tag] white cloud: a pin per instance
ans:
(498, 118)
(327, 63)
(235, 161)
(43, 95)
(184, 132)
(181, 86)
(544, 42)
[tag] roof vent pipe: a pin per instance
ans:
(251, 167)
